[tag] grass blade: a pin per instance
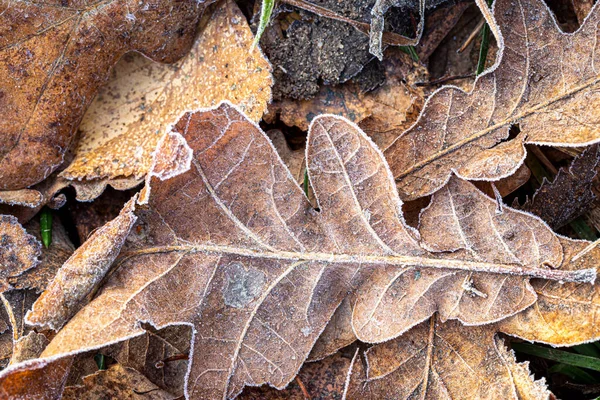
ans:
(574, 373)
(561, 356)
(46, 226)
(266, 10)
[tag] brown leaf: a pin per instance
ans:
(117, 383)
(394, 106)
(123, 125)
(35, 379)
(544, 81)
(53, 58)
(28, 347)
(232, 247)
(442, 360)
(570, 194)
(82, 272)
(19, 251)
(52, 258)
(161, 356)
(322, 380)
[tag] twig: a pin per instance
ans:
(303, 388)
(543, 159)
(472, 36)
(391, 38)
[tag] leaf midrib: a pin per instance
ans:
(583, 275)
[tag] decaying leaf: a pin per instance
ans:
(570, 194)
(82, 272)
(442, 360)
(117, 383)
(324, 379)
(19, 251)
(392, 107)
(35, 379)
(544, 81)
(28, 347)
(161, 356)
(51, 259)
(232, 247)
(123, 125)
(53, 58)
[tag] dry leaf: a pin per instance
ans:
(28, 347)
(117, 383)
(82, 272)
(53, 58)
(123, 125)
(52, 258)
(233, 248)
(19, 251)
(570, 194)
(321, 380)
(394, 106)
(35, 379)
(544, 81)
(437, 361)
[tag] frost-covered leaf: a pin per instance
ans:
(231, 246)
(544, 81)
(53, 58)
(123, 125)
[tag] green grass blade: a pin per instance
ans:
(587, 349)
(46, 226)
(410, 50)
(485, 45)
(100, 361)
(266, 10)
(305, 183)
(561, 356)
(574, 373)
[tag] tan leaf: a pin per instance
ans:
(53, 58)
(544, 81)
(442, 360)
(28, 347)
(19, 251)
(82, 272)
(117, 383)
(123, 125)
(233, 248)
(564, 315)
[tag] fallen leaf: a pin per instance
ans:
(51, 259)
(442, 360)
(161, 356)
(35, 379)
(28, 347)
(393, 106)
(324, 379)
(543, 81)
(259, 285)
(53, 58)
(570, 194)
(117, 382)
(82, 272)
(19, 251)
(122, 127)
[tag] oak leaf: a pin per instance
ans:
(543, 81)
(122, 126)
(230, 245)
(54, 57)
